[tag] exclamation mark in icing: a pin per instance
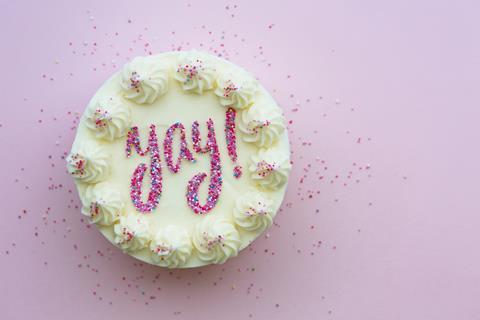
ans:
(232, 140)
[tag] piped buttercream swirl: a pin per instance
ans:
(131, 233)
(253, 211)
(236, 90)
(102, 204)
(144, 80)
(89, 163)
(216, 240)
(108, 118)
(195, 73)
(261, 125)
(269, 169)
(171, 247)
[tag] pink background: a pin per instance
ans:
(381, 220)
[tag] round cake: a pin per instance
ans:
(181, 159)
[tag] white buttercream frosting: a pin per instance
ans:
(216, 240)
(270, 169)
(131, 233)
(144, 80)
(171, 247)
(261, 125)
(202, 87)
(102, 204)
(89, 163)
(253, 211)
(195, 72)
(236, 90)
(108, 118)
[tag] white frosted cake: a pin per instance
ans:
(181, 159)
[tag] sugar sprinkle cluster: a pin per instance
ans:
(215, 185)
(139, 173)
(255, 126)
(168, 150)
(191, 70)
(264, 169)
(232, 140)
(197, 140)
(229, 88)
(101, 118)
(135, 81)
(78, 165)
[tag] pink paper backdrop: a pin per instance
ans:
(381, 220)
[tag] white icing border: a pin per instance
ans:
(245, 89)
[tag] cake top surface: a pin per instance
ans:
(181, 159)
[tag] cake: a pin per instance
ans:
(181, 159)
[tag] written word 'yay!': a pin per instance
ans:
(152, 149)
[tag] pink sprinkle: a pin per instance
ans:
(139, 173)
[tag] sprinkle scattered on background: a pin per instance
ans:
(373, 216)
